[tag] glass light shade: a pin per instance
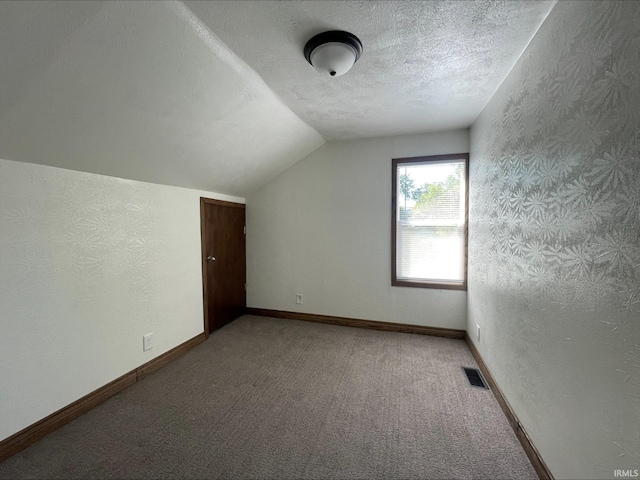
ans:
(333, 58)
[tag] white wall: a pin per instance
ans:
(88, 265)
(554, 252)
(323, 228)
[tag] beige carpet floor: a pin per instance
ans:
(272, 398)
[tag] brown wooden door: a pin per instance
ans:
(224, 262)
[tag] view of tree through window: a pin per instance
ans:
(430, 221)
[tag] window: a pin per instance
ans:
(429, 225)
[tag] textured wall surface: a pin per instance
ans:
(88, 265)
(555, 238)
(323, 229)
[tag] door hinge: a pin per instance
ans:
(245, 229)
(245, 287)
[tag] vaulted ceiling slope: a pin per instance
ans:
(140, 90)
(218, 96)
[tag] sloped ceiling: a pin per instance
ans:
(142, 91)
(217, 95)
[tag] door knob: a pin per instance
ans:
(211, 259)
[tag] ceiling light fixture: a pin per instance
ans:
(333, 53)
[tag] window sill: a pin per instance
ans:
(440, 286)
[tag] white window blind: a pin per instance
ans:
(430, 221)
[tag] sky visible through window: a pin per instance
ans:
(422, 174)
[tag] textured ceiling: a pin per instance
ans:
(142, 91)
(218, 96)
(426, 66)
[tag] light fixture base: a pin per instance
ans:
(321, 53)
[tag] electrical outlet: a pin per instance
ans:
(478, 332)
(147, 342)
(299, 298)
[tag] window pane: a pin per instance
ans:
(430, 221)
(430, 253)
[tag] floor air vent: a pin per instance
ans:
(475, 377)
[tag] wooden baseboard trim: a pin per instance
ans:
(31, 434)
(540, 467)
(359, 323)
(168, 357)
